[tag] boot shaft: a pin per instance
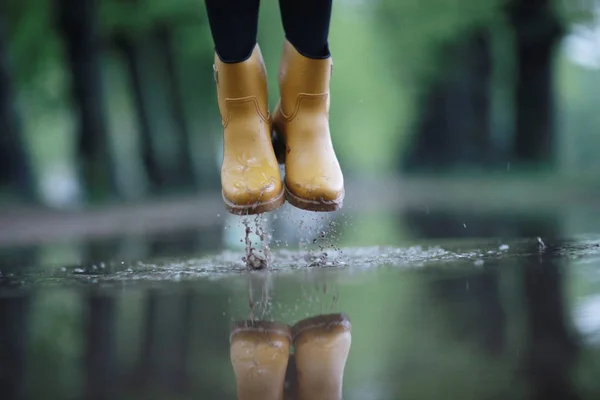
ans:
(299, 77)
(242, 87)
(250, 177)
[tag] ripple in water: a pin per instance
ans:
(281, 260)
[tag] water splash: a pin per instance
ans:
(470, 254)
(253, 258)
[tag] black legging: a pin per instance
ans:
(234, 26)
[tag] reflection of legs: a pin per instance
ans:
(321, 345)
(234, 26)
(259, 354)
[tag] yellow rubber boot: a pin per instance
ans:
(313, 176)
(259, 352)
(321, 347)
(250, 178)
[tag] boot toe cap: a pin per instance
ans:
(322, 189)
(248, 190)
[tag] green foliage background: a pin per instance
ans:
(384, 51)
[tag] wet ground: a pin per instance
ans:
(443, 304)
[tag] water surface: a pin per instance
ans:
(480, 319)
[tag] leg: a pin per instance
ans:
(311, 42)
(250, 178)
(313, 176)
(234, 26)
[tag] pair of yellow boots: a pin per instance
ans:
(250, 176)
(260, 353)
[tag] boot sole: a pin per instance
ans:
(314, 205)
(260, 328)
(318, 323)
(256, 208)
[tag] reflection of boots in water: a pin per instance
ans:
(291, 380)
(321, 347)
(259, 352)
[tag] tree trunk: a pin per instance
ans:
(184, 168)
(168, 337)
(161, 125)
(537, 32)
(15, 169)
(474, 310)
(145, 369)
(78, 24)
(14, 320)
(551, 351)
(454, 126)
(150, 158)
(101, 365)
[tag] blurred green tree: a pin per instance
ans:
(162, 52)
(77, 22)
(538, 29)
(444, 54)
(15, 170)
(151, 111)
(454, 127)
(455, 85)
(144, 33)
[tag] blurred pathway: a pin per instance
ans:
(25, 226)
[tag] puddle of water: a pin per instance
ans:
(231, 262)
(476, 318)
